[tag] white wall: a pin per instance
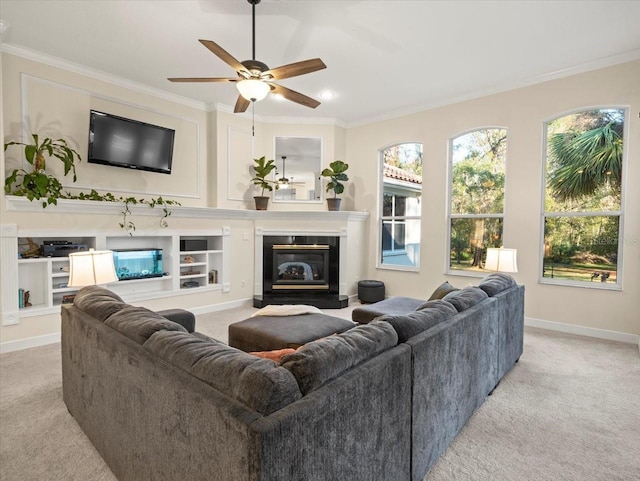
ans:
(522, 112)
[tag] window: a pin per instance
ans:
(401, 206)
(477, 173)
(583, 198)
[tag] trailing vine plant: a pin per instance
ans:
(126, 223)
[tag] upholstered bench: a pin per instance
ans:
(268, 333)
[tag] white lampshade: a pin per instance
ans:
(253, 90)
(91, 268)
(501, 260)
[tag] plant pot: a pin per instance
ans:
(261, 202)
(333, 204)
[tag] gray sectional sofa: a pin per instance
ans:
(380, 401)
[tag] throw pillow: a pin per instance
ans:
(441, 291)
(275, 355)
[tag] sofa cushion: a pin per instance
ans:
(465, 298)
(392, 305)
(138, 323)
(442, 290)
(98, 302)
(496, 282)
(431, 313)
(258, 383)
(319, 361)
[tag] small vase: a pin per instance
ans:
(261, 202)
(333, 204)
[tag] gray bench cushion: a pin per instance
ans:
(393, 306)
(431, 313)
(138, 323)
(258, 383)
(318, 362)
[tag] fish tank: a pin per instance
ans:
(137, 263)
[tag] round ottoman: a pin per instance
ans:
(370, 291)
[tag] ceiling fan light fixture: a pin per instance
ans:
(252, 89)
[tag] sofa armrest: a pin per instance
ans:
(181, 316)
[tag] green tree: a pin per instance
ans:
(585, 156)
(478, 178)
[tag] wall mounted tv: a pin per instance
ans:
(128, 143)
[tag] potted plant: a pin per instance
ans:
(262, 169)
(37, 184)
(336, 173)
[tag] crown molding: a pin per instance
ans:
(155, 92)
(99, 75)
(574, 70)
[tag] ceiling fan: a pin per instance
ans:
(255, 78)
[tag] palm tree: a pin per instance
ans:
(584, 160)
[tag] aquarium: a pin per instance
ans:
(138, 263)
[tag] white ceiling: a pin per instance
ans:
(384, 58)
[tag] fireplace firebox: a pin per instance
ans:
(301, 270)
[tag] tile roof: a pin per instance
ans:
(393, 172)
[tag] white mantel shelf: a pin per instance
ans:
(73, 206)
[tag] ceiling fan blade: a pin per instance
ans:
(294, 96)
(241, 105)
(295, 69)
(224, 55)
(202, 79)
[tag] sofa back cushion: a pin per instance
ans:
(465, 298)
(319, 361)
(428, 315)
(258, 383)
(496, 282)
(138, 323)
(98, 302)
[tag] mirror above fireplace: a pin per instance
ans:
(298, 166)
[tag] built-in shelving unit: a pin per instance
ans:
(45, 278)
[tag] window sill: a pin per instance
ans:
(584, 285)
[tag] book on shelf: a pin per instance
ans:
(213, 276)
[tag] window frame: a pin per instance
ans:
(449, 201)
(382, 218)
(618, 213)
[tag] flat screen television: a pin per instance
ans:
(128, 143)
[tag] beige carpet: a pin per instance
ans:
(570, 410)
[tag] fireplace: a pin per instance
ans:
(300, 269)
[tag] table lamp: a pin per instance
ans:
(501, 260)
(89, 268)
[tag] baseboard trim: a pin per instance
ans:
(248, 302)
(37, 341)
(583, 331)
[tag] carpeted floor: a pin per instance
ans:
(569, 410)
